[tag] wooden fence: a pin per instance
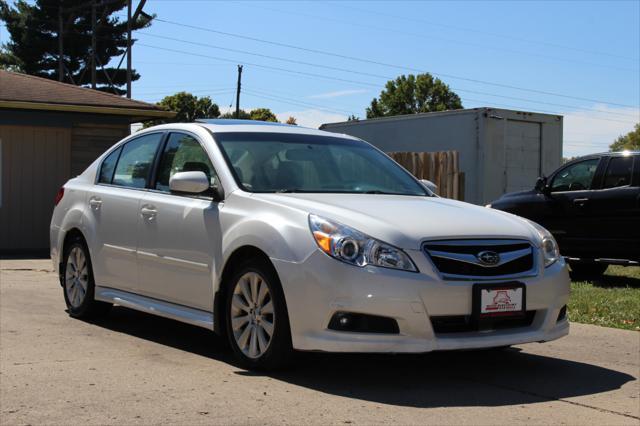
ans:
(441, 168)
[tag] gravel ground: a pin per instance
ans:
(132, 368)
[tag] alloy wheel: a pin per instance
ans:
(252, 315)
(76, 276)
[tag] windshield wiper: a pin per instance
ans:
(377, 191)
(288, 190)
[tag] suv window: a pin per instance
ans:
(136, 160)
(618, 172)
(183, 153)
(576, 177)
(109, 166)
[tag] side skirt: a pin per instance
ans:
(155, 307)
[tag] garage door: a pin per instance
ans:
(34, 163)
(522, 155)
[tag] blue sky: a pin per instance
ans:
(584, 55)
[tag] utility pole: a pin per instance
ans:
(60, 45)
(93, 44)
(238, 91)
(129, 49)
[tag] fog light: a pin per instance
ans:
(362, 323)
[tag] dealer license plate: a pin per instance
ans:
(497, 300)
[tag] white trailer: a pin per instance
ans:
(500, 150)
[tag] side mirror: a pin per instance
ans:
(541, 185)
(429, 185)
(189, 182)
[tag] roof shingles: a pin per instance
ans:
(19, 87)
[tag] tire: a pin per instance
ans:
(77, 282)
(587, 270)
(254, 307)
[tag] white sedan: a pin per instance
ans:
(284, 238)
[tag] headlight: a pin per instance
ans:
(354, 247)
(548, 245)
(488, 205)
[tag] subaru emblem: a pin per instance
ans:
(488, 258)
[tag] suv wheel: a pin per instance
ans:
(256, 317)
(587, 270)
(78, 283)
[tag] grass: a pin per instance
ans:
(612, 301)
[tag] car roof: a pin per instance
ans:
(247, 126)
(609, 153)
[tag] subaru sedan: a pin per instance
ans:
(285, 239)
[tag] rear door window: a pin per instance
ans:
(136, 160)
(618, 172)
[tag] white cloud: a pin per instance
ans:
(338, 93)
(586, 132)
(311, 117)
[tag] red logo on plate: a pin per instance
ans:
(501, 302)
(501, 298)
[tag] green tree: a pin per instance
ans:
(263, 114)
(33, 46)
(188, 108)
(630, 141)
(244, 115)
(413, 94)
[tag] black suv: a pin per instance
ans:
(591, 205)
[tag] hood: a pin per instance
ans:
(407, 221)
(519, 194)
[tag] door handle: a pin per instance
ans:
(580, 202)
(148, 212)
(95, 203)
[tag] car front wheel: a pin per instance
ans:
(256, 317)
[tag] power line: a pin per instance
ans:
(302, 103)
(488, 33)
(316, 51)
(294, 103)
(375, 62)
(431, 37)
(385, 77)
(261, 65)
(335, 78)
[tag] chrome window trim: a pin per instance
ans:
(488, 243)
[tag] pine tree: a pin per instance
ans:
(34, 30)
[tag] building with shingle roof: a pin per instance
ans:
(50, 132)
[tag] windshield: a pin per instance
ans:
(280, 162)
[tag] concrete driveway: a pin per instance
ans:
(132, 368)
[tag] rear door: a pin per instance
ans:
(615, 209)
(179, 234)
(113, 207)
(522, 151)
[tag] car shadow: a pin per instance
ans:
(617, 281)
(439, 379)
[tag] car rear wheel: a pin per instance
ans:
(78, 283)
(256, 317)
(587, 270)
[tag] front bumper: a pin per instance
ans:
(320, 286)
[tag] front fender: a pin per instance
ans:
(283, 237)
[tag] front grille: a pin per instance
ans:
(466, 323)
(461, 259)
